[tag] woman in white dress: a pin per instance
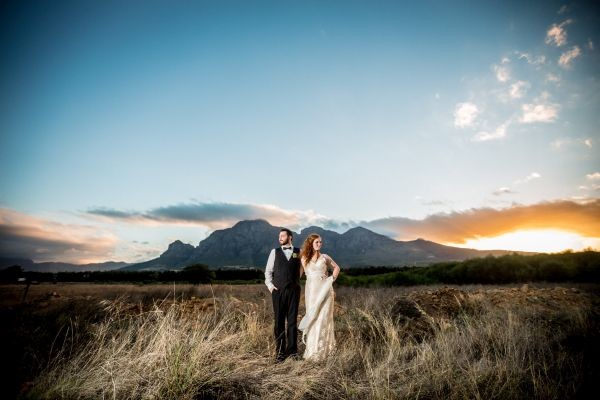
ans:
(319, 297)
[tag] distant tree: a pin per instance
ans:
(11, 274)
(197, 273)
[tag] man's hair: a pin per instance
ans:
(290, 234)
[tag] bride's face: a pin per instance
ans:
(317, 244)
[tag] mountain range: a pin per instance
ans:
(57, 266)
(248, 243)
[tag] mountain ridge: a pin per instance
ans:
(248, 243)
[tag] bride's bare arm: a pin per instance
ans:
(301, 266)
(333, 264)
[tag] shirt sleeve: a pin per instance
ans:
(269, 270)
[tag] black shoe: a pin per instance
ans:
(279, 359)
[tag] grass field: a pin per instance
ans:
(215, 341)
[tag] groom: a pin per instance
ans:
(282, 277)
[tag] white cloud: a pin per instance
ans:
(564, 142)
(502, 73)
(559, 143)
(531, 59)
(550, 77)
(568, 56)
(518, 89)
(498, 133)
(594, 176)
(594, 186)
(530, 177)
(557, 34)
(502, 190)
(563, 9)
(465, 114)
(590, 44)
(540, 110)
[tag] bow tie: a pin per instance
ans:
(287, 248)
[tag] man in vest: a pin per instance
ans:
(282, 277)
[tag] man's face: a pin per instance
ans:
(284, 238)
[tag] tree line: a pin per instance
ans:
(510, 268)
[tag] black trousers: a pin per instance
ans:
(285, 307)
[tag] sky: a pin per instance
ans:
(126, 125)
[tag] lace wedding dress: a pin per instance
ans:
(317, 324)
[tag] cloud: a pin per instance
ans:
(502, 190)
(531, 59)
(502, 72)
(498, 133)
(461, 226)
(568, 56)
(550, 77)
(216, 215)
(465, 114)
(590, 44)
(539, 111)
(518, 89)
(530, 177)
(557, 34)
(25, 236)
(563, 9)
(593, 177)
(594, 186)
(560, 143)
(564, 142)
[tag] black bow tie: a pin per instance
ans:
(287, 248)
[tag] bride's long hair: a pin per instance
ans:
(308, 251)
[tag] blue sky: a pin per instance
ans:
(127, 125)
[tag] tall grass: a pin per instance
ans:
(174, 351)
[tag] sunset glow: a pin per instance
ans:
(545, 240)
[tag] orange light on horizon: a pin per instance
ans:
(541, 240)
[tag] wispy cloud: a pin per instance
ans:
(530, 177)
(594, 176)
(498, 133)
(518, 89)
(465, 114)
(550, 77)
(502, 72)
(502, 190)
(566, 141)
(461, 226)
(25, 236)
(557, 34)
(531, 59)
(567, 57)
(211, 215)
(541, 110)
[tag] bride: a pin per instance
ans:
(317, 324)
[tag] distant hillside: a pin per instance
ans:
(29, 265)
(249, 242)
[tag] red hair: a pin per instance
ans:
(308, 251)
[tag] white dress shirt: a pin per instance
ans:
(271, 263)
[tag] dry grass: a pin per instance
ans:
(427, 342)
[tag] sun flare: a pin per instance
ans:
(544, 240)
